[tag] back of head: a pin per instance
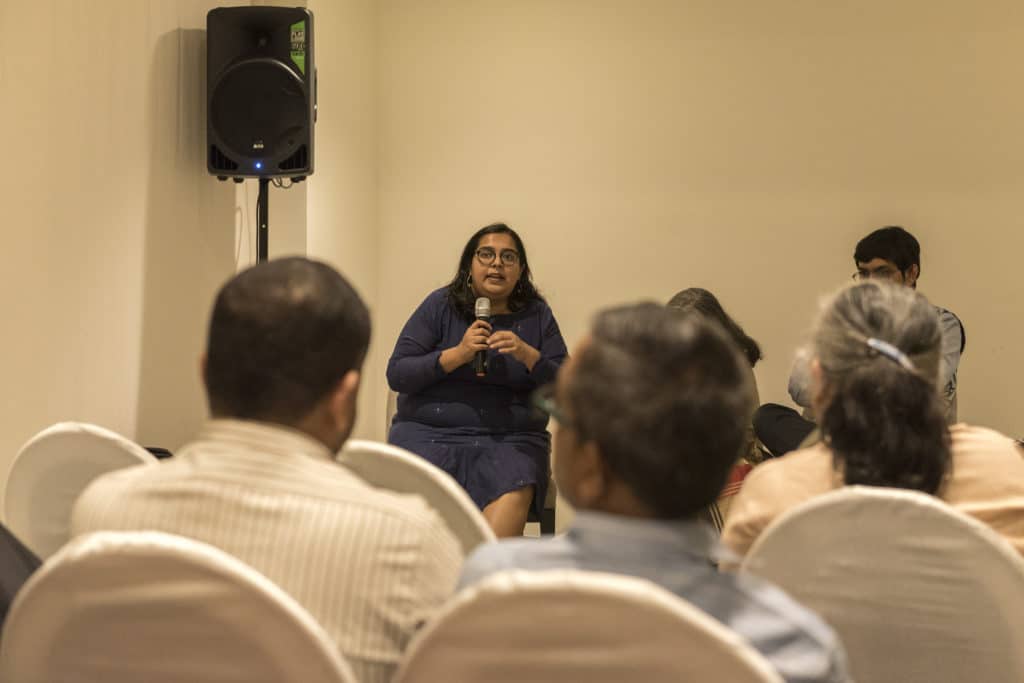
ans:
(666, 398)
(282, 335)
(891, 243)
(698, 300)
(879, 348)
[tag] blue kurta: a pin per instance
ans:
(480, 430)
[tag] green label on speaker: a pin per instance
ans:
(298, 43)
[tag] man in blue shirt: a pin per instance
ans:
(651, 411)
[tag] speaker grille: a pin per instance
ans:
(220, 162)
(296, 162)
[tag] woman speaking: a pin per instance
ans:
(470, 414)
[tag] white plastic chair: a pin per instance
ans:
(569, 625)
(52, 470)
(125, 607)
(396, 469)
(917, 591)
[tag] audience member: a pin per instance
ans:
(287, 339)
(651, 412)
(699, 300)
(479, 428)
(696, 300)
(890, 254)
(876, 351)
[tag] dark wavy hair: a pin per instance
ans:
(704, 302)
(461, 295)
(884, 423)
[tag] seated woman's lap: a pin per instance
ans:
(486, 466)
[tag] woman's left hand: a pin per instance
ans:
(509, 343)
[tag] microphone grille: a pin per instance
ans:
(483, 307)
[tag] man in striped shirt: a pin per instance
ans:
(287, 339)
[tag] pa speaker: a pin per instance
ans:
(260, 92)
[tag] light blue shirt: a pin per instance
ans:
(678, 555)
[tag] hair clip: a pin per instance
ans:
(892, 353)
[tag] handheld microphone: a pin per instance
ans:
(483, 312)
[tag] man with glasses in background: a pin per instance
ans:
(651, 412)
(889, 253)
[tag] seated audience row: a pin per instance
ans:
(286, 342)
(652, 412)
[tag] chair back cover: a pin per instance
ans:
(917, 591)
(396, 469)
(52, 470)
(569, 625)
(125, 607)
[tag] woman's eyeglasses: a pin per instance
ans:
(486, 255)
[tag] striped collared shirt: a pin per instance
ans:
(369, 565)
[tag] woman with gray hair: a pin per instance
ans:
(875, 354)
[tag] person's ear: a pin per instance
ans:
(819, 388)
(341, 403)
(911, 274)
(590, 476)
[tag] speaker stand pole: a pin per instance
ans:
(262, 228)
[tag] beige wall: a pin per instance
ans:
(108, 238)
(643, 147)
(114, 237)
(342, 211)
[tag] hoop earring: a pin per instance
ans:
(469, 282)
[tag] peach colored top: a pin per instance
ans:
(987, 483)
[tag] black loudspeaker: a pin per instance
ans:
(260, 92)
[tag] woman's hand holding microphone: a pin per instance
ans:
(479, 337)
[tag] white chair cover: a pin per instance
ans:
(52, 470)
(569, 625)
(396, 469)
(126, 607)
(917, 591)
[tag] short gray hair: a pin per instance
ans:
(880, 310)
(667, 398)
